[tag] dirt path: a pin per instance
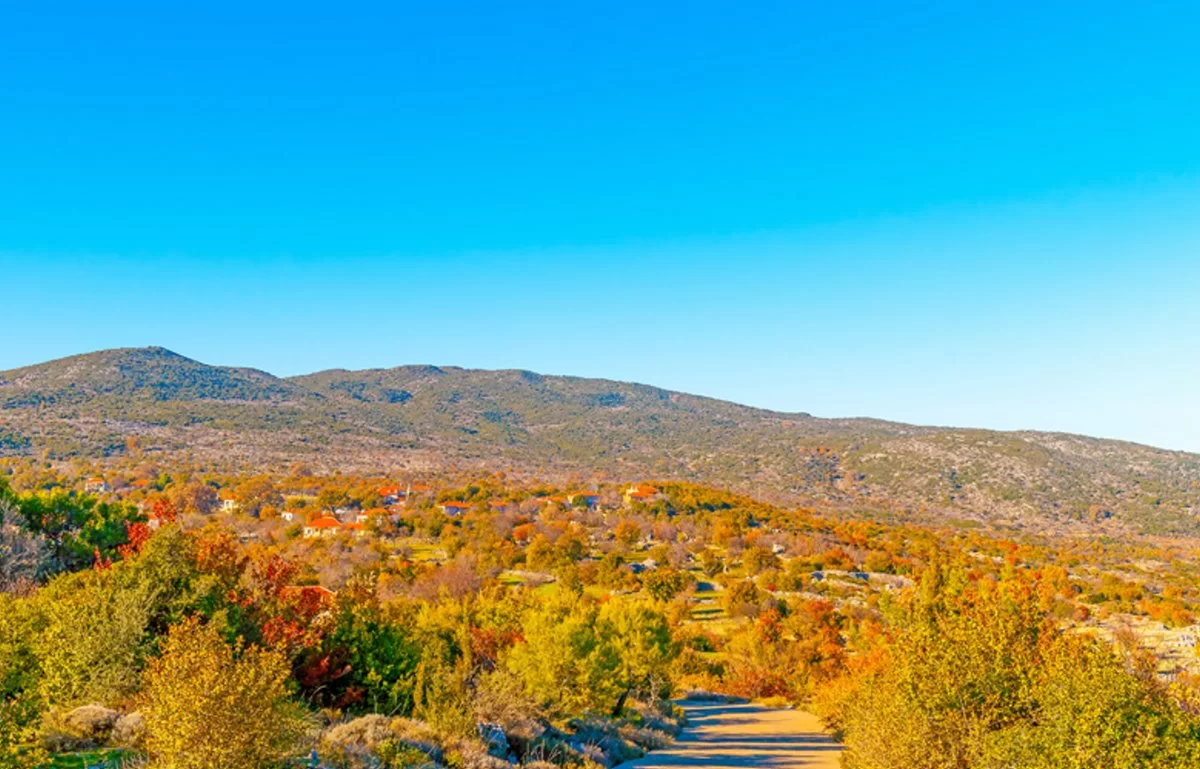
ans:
(723, 735)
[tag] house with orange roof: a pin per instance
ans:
(454, 508)
(95, 485)
(358, 528)
(641, 492)
(365, 516)
(391, 494)
(324, 527)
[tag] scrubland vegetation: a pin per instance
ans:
(150, 402)
(181, 617)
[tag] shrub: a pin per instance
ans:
(212, 706)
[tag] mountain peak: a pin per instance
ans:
(153, 373)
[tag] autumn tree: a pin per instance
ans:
(253, 494)
(194, 497)
(665, 583)
(628, 532)
(209, 705)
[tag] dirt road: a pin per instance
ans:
(723, 735)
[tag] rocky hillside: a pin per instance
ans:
(424, 417)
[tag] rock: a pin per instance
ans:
(91, 722)
(129, 730)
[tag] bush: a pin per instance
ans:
(211, 706)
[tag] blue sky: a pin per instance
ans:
(950, 215)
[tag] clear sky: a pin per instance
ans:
(951, 214)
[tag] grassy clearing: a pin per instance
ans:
(92, 759)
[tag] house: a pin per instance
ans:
(228, 503)
(365, 516)
(288, 516)
(95, 485)
(391, 494)
(454, 508)
(641, 492)
(357, 527)
(324, 527)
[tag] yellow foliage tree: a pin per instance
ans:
(212, 706)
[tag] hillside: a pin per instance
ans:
(420, 418)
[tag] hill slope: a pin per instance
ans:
(416, 418)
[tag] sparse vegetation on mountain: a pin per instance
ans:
(152, 402)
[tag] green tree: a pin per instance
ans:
(20, 705)
(638, 638)
(380, 655)
(92, 638)
(564, 662)
(665, 583)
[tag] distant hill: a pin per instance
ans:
(418, 418)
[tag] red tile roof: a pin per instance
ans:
(325, 522)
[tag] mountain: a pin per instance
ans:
(423, 418)
(150, 373)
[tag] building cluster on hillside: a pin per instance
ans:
(393, 498)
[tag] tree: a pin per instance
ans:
(212, 706)
(563, 662)
(379, 656)
(628, 532)
(665, 583)
(22, 553)
(711, 562)
(20, 705)
(256, 493)
(194, 497)
(332, 499)
(979, 677)
(92, 639)
(741, 599)
(758, 559)
(74, 528)
(639, 639)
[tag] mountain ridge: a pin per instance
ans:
(424, 417)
